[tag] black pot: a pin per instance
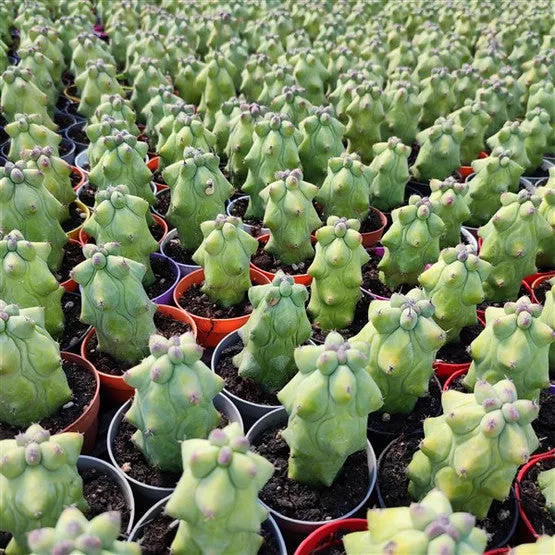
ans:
(63, 120)
(74, 133)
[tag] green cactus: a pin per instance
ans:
(38, 478)
(467, 81)
(280, 77)
(26, 132)
(148, 75)
(165, 126)
(402, 340)
(544, 544)
(237, 53)
(278, 324)
(121, 217)
(336, 269)
(290, 216)
(186, 79)
(198, 193)
(411, 242)
(114, 301)
(321, 140)
(511, 242)
(454, 285)
(473, 450)
(311, 74)
(26, 205)
(87, 47)
(124, 162)
(474, 120)
(172, 376)
(439, 153)
(149, 47)
(75, 534)
(436, 97)
(293, 103)
(216, 499)
(430, 526)
(153, 112)
(275, 148)
(41, 67)
(542, 95)
(546, 481)
(514, 344)
(342, 95)
(97, 132)
(227, 112)
(328, 402)
(225, 257)
(546, 255)
(402, 108)
(388, 174)
(512, 138)
(118, 108)
(537, 130)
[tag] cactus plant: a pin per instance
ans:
(401, 107)
(512, 138)
(474, 120)
(87, 47)
(221, 481)
(186, 79)
(278, 324)
(293, 103)
(148, 75)
(436, 97)
(454, 285)
(225, 254)
(198, 193)
(402, 340)
(511, 241)
(153, 112)
(114, 301)
(546, 256)
(26, 132)
(121, 217)
(118, 108)
(336, 269)
(411, 242)
(328, 402)
(514, 344)
(172, 376)
(310, 73)
(473, 450)
(537, 130)
(41, 67)
(164, 128)
(290, 216)
(280, 77)
(75, 534)
(342, 95)
(38, 478)
(544, 544)
(429, 526)
(98, 132)
(227, 112)
(388, 174)
(546, 481)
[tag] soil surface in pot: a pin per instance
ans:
(269, 263)
(359, 321)
(87, 193)
(457, 352)
(245, 388)
(238, 210)
(83, 387)
(75, 179)
(74, 329)
(76, 218)
(523, 292)
(165, 325)
(303, 502)
(176, 252)
(372, 222)
(157, 537)
(164, 277)
(541, 291)
(73, 255)
(64, 148)
(77, 134)
(63, 121)
(195, 301)
(157, 177)
(163, 199)
(394, 489)
(372, 283)
(396, 424)
(533, 501)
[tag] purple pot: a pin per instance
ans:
(184, 269)
(167, 296)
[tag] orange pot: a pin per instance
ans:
(114, 386)
(87, 423)
(74, 233)
(69, 284)
(373, 237)
(212, 330)
(465, 171)
(539, 279)
(82, 177)
(152, 165)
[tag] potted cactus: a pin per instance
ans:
(27, 131)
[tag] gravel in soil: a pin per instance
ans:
(76, 218)
(103, 362)
(268, 263)
(196, 302)
(74, 329)
(86, 194)
(393, 484)
(175, 251)
(73, 255)
(371, 281)
(457, 351)
(83, 386)
(301, 501)
(541, 291)
(523, 292)
(162, 200)
(164, 277)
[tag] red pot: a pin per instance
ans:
(114, 386)
(152, 165)
(465, 171)
(445, 370)
(373, 237)
(87, 423)
(69, 284)
(212, 330)
(454, 376)
(539, 279)
(499, 551)
(330, 535)
(82, 177)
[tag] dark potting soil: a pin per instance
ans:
(175, 251)
(397, 424)
(457, 384)
(268, 263)
(359, 321)
(78, 135)
(539, 172)
(544, 425)
(74, 329)
(165, 325)
(73, 255)
(533, 501)
(157, 536)
(83, 387)
(75, 179)
(457, 352)
(303, 502)
(68, 79)
(163, 277)
(103, 494)
(245, 388)
(157, 177)
(542, 290)
(371, 282)
(521, 293)
(76, 218)
(238, 210)
(196, 302)
(162, 200)
(87, 194)
(64, 147)
(63, 121)
(393, 484)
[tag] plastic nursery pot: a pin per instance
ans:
(64, 121)
(92, 463)
(212, 330)
(67, 150)
(152, 165)
(158, 509)
(166, 297)
(539, 279)
(74, 233)
(184, 269)
(114, 386)
(370, 238)
(465, 171)
(530, 532)
(279, 417)
(82, 160)
(80, 177)
(303, 279)
(157, 194)
(250, 411)
(69, 134)
(146, 492)
(446, 371)
(540, 174)
(330, 536)
(255, 231)
(69, 284)
(457, 374)
(87, 423)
